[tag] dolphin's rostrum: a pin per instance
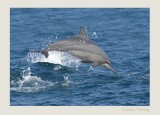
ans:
(83, 48)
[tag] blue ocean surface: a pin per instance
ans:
(61, 79)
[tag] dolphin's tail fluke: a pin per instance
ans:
(108, 66)
(44, 52)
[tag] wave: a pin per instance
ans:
(55, 57)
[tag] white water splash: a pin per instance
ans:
(94, 35)
(67, 80)
(90, 68)
(55, 57)
(57, 67)
(30, 83)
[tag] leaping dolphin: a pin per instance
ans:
(83, 48)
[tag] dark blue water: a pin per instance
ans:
(122, 33)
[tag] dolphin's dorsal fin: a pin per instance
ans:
(83, 32)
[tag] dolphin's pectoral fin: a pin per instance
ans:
(45, 53)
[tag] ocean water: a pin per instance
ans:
(61, 79)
